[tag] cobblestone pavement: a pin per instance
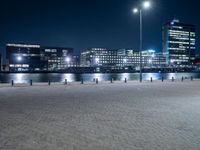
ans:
(133, 116)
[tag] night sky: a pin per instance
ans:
(90, 23)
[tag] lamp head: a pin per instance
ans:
(146, 4)
(97, 60)
(150, 60)
(67, 59)
(135, 10)
(19, 58)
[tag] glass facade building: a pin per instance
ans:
(102, 57)
(24, 57)
(179, 43)
(150, 58)
(57, 58)
(27, 57)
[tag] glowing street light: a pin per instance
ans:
(150, 61)
(97, 60)
(19, 58)
(135, 10)
(144, 5)
(67, 59)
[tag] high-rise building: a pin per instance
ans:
(179, 43)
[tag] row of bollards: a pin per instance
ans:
(173, 79)
(111, 80)
(162, 79)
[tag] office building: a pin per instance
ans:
(151, 58)
(27, 57)
(179, 43)
(118, 58)
(57, 58)
(24, 57)
(101, 57)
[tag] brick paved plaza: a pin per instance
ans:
(132, 116)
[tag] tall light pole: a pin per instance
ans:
(144, 5)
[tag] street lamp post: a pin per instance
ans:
(145, 5)
(141, 45)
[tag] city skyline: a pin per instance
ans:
(81, 25)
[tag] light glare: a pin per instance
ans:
(67, 59)
(146, 4)
(151, 51)
(97, 60)
(150, 61)
(19, 58)
(135, 10)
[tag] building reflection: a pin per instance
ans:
(69, 77)
(148, 76)
(98, 76)
(125, 75)
(20, 78)
(171, 75)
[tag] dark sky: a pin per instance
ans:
(90, 23)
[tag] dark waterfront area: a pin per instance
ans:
(60, 77)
